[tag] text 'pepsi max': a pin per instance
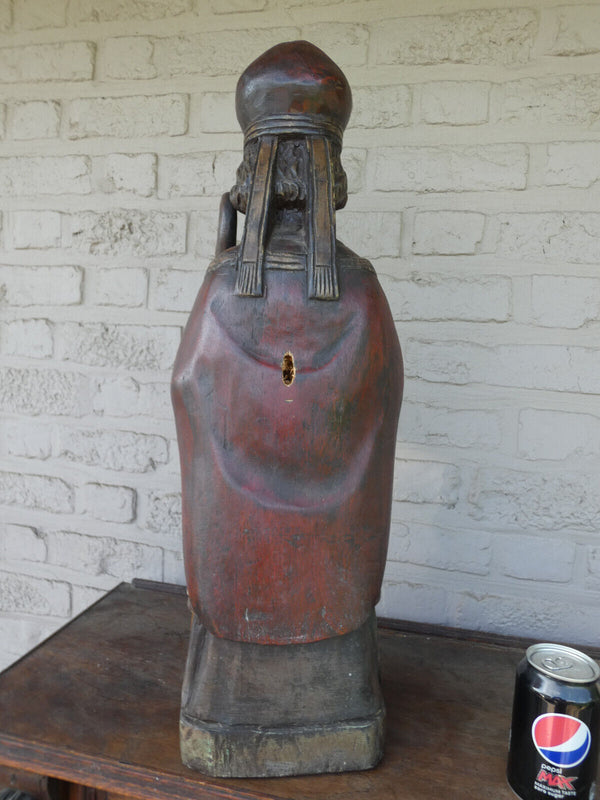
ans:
(555, 732)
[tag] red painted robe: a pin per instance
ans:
(287, 488)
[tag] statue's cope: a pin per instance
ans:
(287, 385)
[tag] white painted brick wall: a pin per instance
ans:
(127, 397)
(35, 229)
(34, 119)
(110, 503)
(137, 347)
(55, 392)
(473, 161)
(24, 176)
(127, 117)
(447, 232)
(53, 62)
(469, 168)
(556, 435)
(122, 451)
(503, 36)
(39, 285)
(27, 439)
(454, 102)
(39, 492)
(117, 287)
(559, 301)
(124, 172)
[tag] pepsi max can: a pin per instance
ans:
(553, 751)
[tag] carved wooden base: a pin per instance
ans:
(272, 710)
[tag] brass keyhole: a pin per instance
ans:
(288, 369)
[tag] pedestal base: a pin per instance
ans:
(272, 710)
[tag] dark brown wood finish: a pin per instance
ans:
(97, 705)
(286, 391)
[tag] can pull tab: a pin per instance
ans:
(557, 663)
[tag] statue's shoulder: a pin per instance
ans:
(228, 258)
(348, 259)
(345, 258)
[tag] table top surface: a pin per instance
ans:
(98, 704)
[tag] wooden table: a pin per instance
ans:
(95, 708)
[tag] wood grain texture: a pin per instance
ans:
(98, 705)
(286, 520)
(252, 710)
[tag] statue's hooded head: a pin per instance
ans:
(293, 104)
(293, 88)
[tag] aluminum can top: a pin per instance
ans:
(563, 663)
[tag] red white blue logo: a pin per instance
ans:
(561, 740)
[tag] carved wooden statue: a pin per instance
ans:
(287, 389)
